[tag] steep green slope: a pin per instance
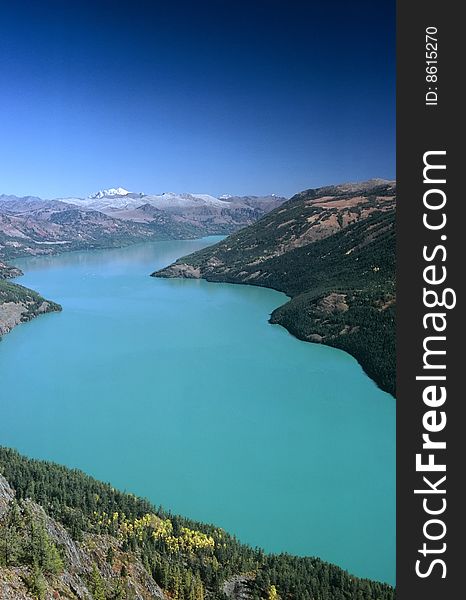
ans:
(332, 251)
(185, 559)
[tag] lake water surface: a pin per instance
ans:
(180, 391)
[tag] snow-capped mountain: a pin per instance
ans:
(114, 216)
(115, 199)
(122, 203)
(172, 200)
(110, 192)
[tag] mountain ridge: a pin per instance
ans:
(117, 217)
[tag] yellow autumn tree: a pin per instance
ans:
(273, 594)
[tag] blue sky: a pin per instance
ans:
(240, 97)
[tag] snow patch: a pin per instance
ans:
(109, 192)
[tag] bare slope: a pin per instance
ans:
(34, 227)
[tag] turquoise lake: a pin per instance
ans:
(180, 391)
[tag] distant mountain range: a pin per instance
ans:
(332, 250)
(116, 217)
(108, 218)
(116, 199)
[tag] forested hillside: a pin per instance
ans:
(332, 250)
(67, 535)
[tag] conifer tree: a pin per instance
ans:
(96, 584)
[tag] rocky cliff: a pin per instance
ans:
(74, 570)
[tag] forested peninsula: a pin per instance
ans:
(19, 304)
(332, 250)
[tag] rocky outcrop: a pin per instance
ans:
(6, 495)
(183, 270)
(238, 587)
(79, 560)
(8, 272)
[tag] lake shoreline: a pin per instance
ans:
(205, 358)
(180, 270)
(17, 313)
(17, 468)
(19, 304)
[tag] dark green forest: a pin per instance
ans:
(362, 271)
(187, 559)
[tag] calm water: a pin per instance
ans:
(181, 391)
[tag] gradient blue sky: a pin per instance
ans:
(240, 97)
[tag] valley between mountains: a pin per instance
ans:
(112, 218)
(331, 250)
